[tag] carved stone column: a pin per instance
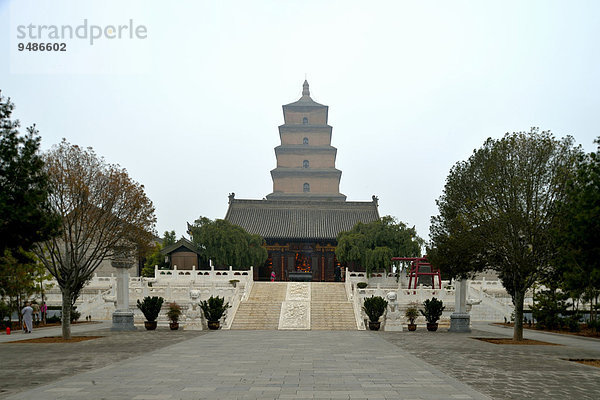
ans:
(123, 317)
(460, 320)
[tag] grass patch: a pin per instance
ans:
(584, 330)
(528, 342)
(57, 339)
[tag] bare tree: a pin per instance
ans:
(103, 212)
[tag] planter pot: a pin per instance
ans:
(151, 326)
(174, 325)
(213, 325)
(412, 327)
(374, 326)
(432, 327)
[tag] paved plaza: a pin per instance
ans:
(510, 371)
(297, 365)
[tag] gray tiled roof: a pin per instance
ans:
(183, 242)
(299, 219)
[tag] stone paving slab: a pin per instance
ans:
(27, 365)
(508, 371)
(265, 365)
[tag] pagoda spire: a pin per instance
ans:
(305, 91)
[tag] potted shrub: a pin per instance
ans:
(374, 307)
(173, 314)
(150, 307)
(234, 282)
(214, 309)
(411, 315)
(361, 285)
(432, 313)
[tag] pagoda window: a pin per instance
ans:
(305, 121)
(306, 188)
(305, 140)
(305, 164)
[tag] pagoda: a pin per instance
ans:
(305, 159)
(301, 219)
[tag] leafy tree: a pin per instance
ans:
(169, 238)
(498, 210)
(155, 257)
(578, 235)
(373, 245)
(4, 312)
(105, 214)
(18, 270)
(25, 215)
(549, 306)
(227, 244)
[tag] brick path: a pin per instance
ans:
(263, 365)
(300, 364)
(509, 371)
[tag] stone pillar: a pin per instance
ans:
(460, 319)
(122, 318)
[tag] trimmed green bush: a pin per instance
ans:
(150, 307)
(433, 310)
(361, 285)
(214, 308)
(374, 307)
(75, 315)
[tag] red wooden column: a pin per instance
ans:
(322, 265)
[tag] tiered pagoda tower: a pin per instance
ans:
(305, 159)
(301, 219)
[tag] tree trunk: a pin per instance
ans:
(518, 330)
(66, 314)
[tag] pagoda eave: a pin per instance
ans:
(304, 149)
(281, 172)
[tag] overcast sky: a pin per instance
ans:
(413, 87)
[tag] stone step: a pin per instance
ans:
(330, 308)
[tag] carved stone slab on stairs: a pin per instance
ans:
(298, 291)
(295, 310)
(294, 315)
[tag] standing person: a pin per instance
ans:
(27, 313)
(44, 310)
(272, 276)
(36, 313)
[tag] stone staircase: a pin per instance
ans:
(262, 309)
(329, 307)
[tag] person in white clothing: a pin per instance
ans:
(27, 313)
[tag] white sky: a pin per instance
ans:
(413, 87)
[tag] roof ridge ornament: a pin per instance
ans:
(305, 90)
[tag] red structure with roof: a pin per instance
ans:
(417, 270)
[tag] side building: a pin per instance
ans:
(301, 218)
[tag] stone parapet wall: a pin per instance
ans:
(187, 288)
(487, 300)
